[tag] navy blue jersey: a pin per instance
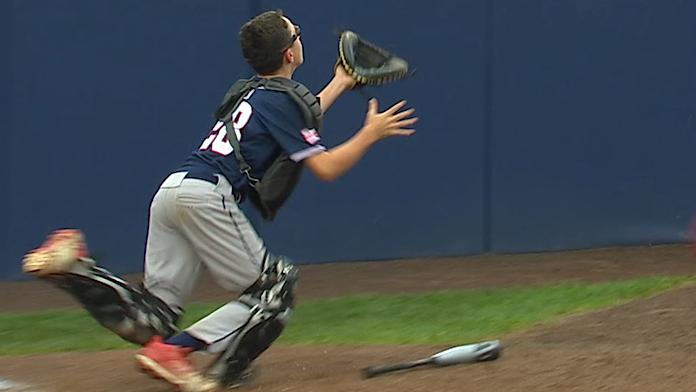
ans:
(266, 123)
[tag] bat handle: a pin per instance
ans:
(377, 370)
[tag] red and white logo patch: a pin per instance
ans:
(311, 136)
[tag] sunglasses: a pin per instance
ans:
(293, 38)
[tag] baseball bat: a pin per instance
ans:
(470, 353)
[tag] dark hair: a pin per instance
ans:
(262, 40)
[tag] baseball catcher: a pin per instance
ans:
(266, 130)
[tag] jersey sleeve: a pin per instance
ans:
(286, 125)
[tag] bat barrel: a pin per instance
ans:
(484, 351)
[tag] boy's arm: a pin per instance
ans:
(340, 83)
(331, 164)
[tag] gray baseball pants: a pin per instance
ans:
(195, 224)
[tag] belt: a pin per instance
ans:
(209, 177)
(214, 179)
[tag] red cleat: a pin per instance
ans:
(170, 363)
(58, 254)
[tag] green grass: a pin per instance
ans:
(448, 317)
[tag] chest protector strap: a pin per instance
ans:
(269, 193)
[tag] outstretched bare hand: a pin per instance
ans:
(391, 122)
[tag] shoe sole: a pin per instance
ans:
(154, 370)
(59, 255)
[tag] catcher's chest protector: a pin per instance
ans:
(270, 192)
(305, 100)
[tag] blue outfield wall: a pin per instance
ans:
(594, 128)
(552, 124)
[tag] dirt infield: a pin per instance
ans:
(646, 345)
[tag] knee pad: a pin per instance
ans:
(275, 288)
(134, 315)
(271, 301)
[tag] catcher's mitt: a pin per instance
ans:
(367, 63)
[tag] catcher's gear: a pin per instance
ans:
(270, 192)
(271, 301)
(368, 63)
(134, 314)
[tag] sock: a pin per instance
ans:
(183, 339)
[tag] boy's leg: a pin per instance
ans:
(236, 257)
(134, 314)
(171, 265)
(261, 312)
